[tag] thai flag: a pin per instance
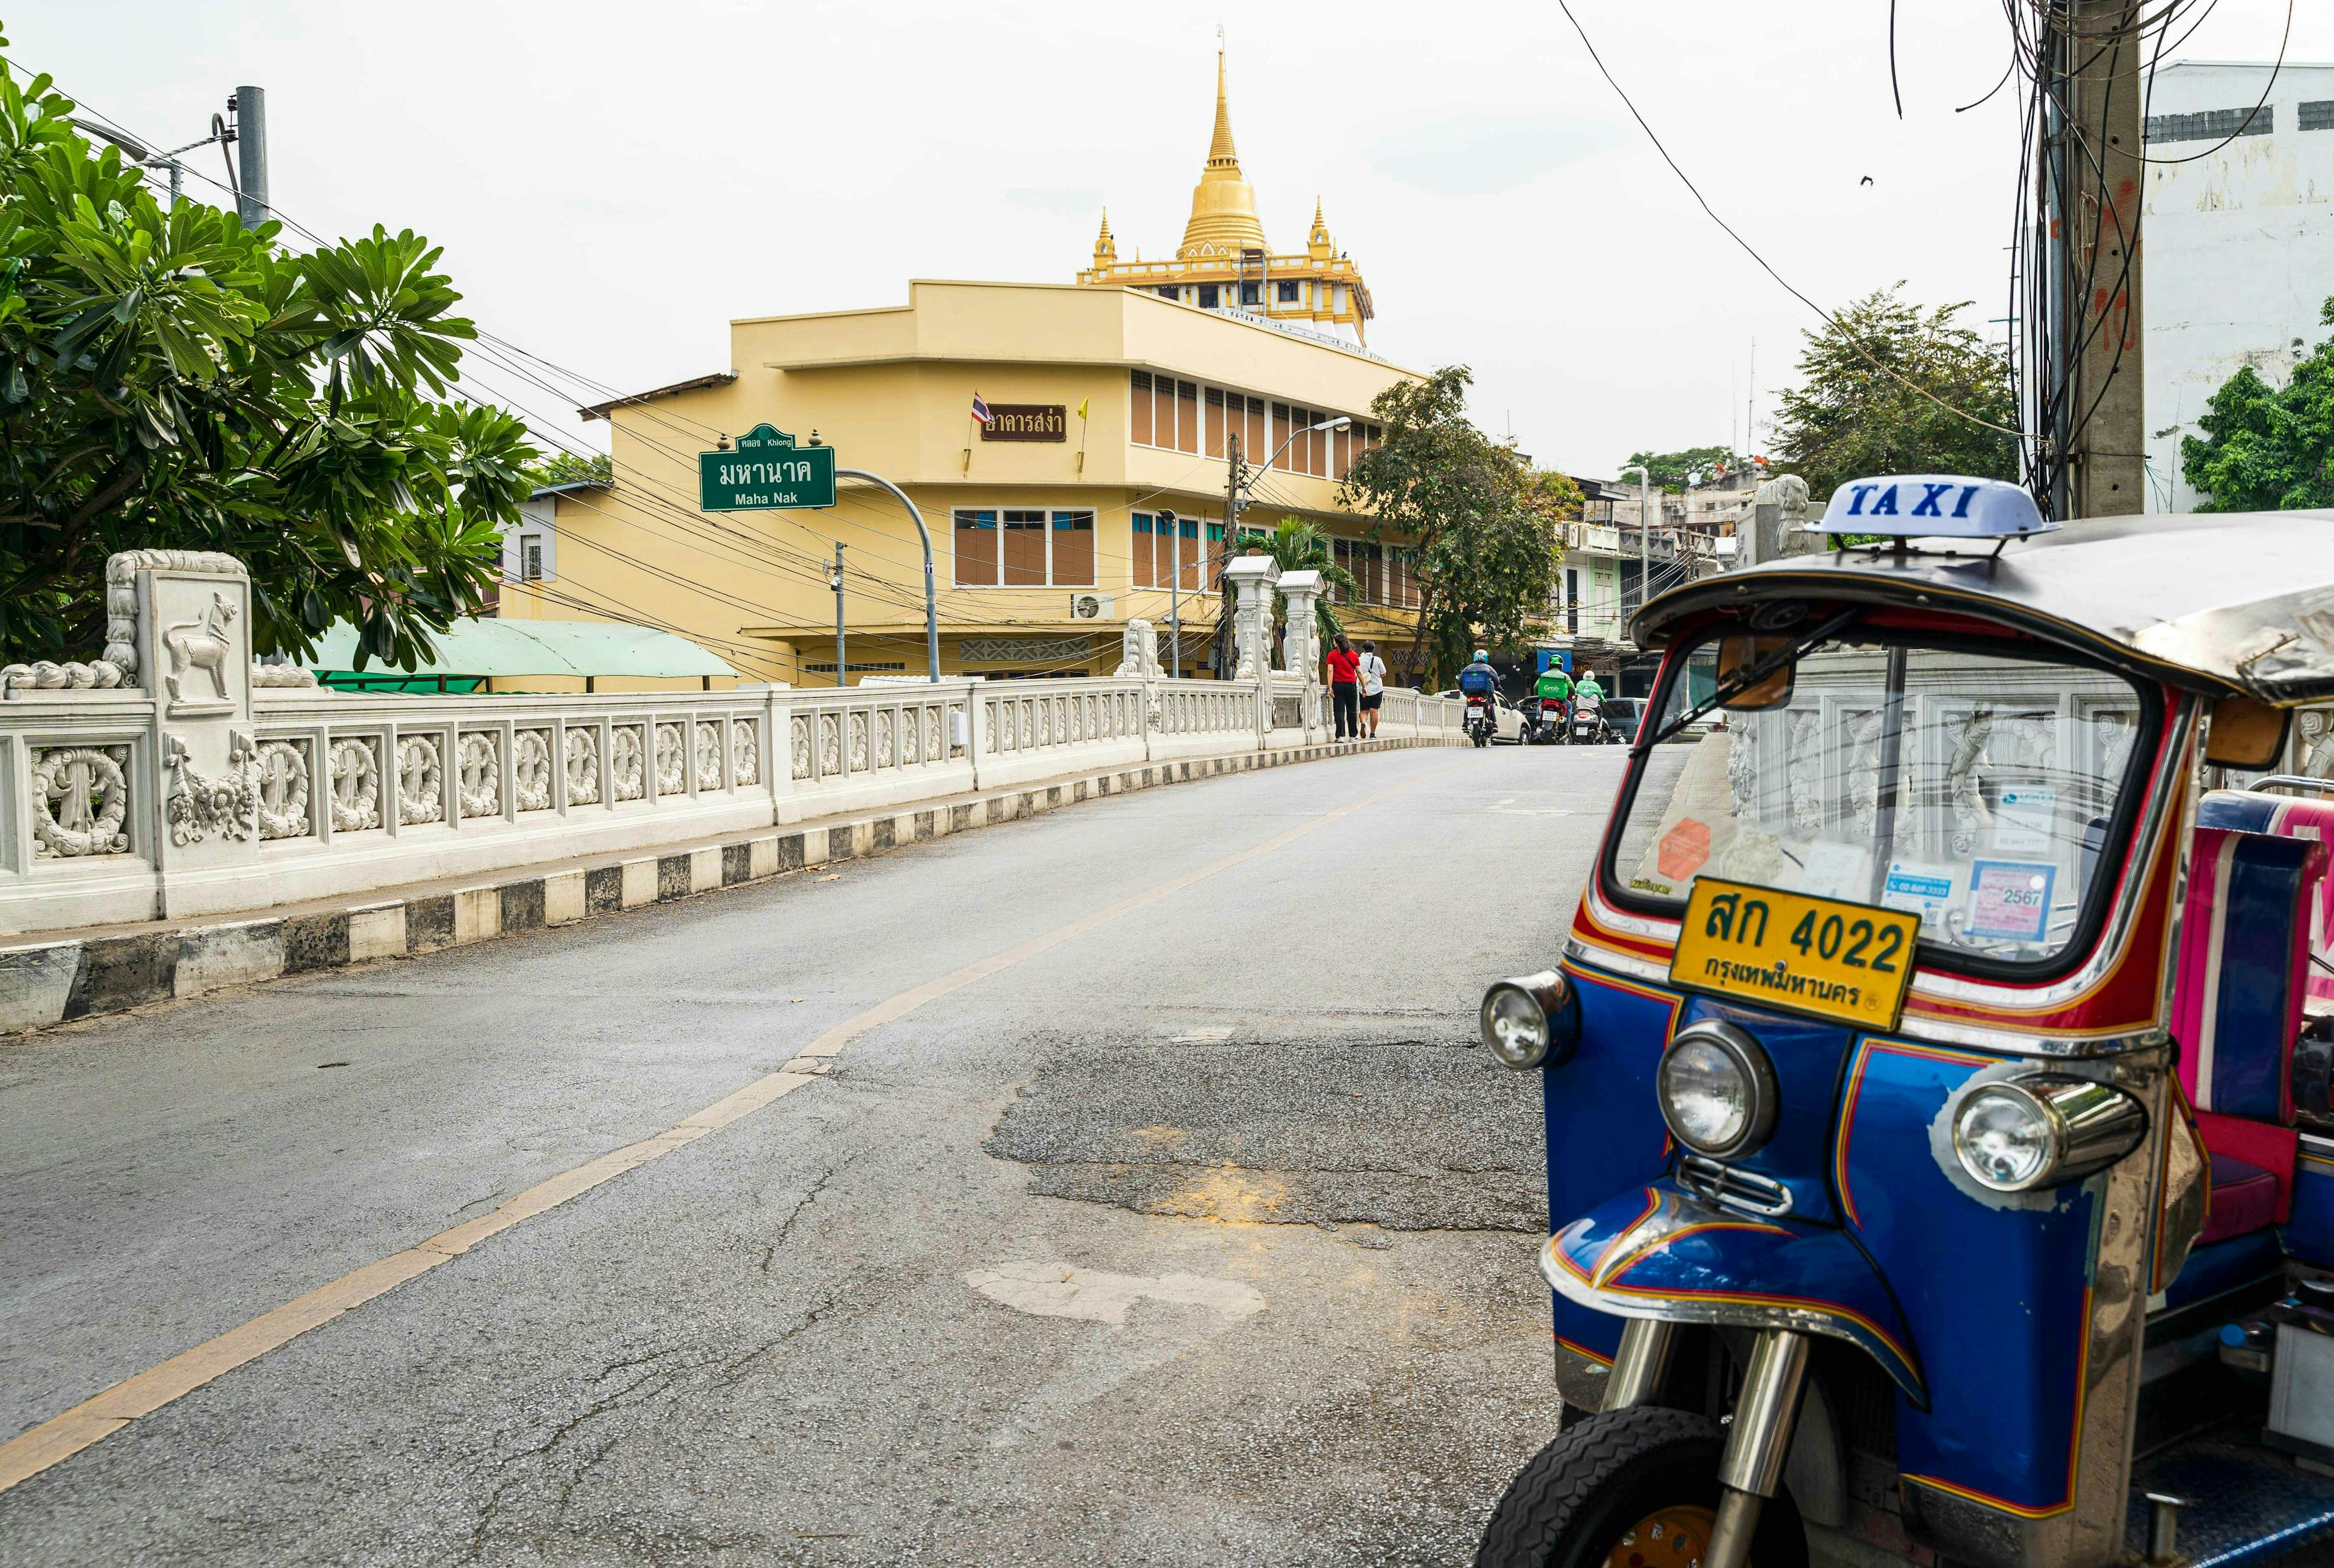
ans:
(980, 409)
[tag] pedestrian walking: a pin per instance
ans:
(1345, 687)
(1374, 673)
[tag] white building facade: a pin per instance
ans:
(2238, 240)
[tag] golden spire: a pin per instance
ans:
(1223, 206)
(1105, 248)
(1317, 243)
(1221, 154)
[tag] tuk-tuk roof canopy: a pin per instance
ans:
(2235, 603)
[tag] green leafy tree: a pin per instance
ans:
(1495, 573)
(2267, 449)
(169, 380)
(1671, 470)
(1849, 418)
(572, 468)
(1477, 523)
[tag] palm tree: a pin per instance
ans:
(1296, 545)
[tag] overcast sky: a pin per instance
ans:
(613, 183)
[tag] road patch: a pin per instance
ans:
(1054, 1289)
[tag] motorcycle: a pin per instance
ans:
(1939, 1138)
(1589, 726)
(1482, 721)
(1546, 720)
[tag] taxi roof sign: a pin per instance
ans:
(1932, 507)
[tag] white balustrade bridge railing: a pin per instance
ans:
(178, 778)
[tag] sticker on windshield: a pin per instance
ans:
(1928, 888)
(1683, 849)
(2010, 900)
(2024, 818)
(1835, 871)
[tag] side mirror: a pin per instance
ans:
(2246, 734)
(1737, 656)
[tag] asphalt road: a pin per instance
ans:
(1202, 1236)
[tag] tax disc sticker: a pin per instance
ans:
(2010, 900)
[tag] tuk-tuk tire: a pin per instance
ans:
(1568, 1504)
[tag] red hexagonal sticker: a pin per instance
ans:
(1683, 849)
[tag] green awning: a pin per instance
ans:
(491, 648)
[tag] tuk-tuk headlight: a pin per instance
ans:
(2022, 1133)
(1716, 1090)
(1529, 1022)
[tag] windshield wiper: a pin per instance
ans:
(1729, 690)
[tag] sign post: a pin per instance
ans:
(768, 473)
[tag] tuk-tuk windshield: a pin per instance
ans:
(1976, 789)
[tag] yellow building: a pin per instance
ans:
(1099, 483)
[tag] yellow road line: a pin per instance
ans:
(94, 1420)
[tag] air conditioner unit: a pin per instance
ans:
(1090, 606)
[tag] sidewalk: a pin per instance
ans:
(64, 975)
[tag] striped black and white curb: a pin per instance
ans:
(50, 982)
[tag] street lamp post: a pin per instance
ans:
(1174, 590)
(932, 599)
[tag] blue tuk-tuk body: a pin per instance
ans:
(1895, 1337)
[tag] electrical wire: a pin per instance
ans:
(1751, 251)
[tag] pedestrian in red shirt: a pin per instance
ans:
(1345, 687)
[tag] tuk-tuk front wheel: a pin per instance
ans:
(1630, 1488)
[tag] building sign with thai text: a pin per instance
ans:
(1026, 422)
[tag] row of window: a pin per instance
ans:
(1023, 549)
(1214, 296)
(1383, 574)
(1188, 416)
(1191, 543)
(2217, 124)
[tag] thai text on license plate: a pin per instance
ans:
(1848, 962)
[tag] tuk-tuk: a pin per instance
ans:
(1939, 1146)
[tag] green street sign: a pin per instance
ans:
(766, 473)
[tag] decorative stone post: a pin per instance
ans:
(1139, 653)
(1300, 652)
(186, 639)
(1252, 579)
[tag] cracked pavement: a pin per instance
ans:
(764, 1349)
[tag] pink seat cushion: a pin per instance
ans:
(2246, 1145)
(2244, 1199)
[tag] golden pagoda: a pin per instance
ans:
(1225, 263)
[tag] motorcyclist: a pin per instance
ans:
(1479, 680)
(1554, 689)
(1589, 693)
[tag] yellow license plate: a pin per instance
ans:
(1848, 962)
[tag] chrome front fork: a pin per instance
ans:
(1758, 1442)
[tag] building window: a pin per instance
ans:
(1287, 289)
(1024, 548)
(2212, 124)
(828, 667)
(1209, 296)
(1187, 416)
(1248, 291)
(975, 549)
(1253, 439)
(1215, 423)
(1074, 549)
(530, 550)
(1139, 408)
(1162, 542)
(2318, 116)
(1170, 291)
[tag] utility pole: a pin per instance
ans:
(2092, 177)
(1174, 591)
(250, 107)
(1644, 540)
(834, 580)
(1227, 654)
